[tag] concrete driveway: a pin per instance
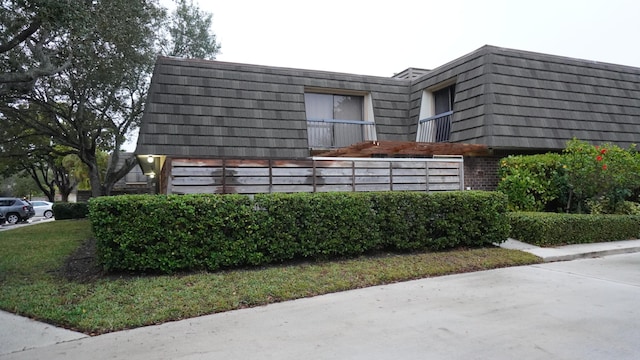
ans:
(581, 309)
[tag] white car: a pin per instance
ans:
(43, 208)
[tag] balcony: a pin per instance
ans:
(330, 133)
(435, 128)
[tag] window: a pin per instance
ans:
(335, 120)
(436, 112)
(444, 99)
(334, 107)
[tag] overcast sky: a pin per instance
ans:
(385, 37)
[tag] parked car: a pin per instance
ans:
(43, 208)
(16, 210)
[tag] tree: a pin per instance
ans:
(26, 152)
(95, 102)
(32, 41)
(92, 104)
(19, 185)
(190, 31)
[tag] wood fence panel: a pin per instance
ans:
(189, 176)
(330, 188)
(373, 187)
(410, 187)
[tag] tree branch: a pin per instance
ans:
(21, 37)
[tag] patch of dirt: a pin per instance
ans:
(81, 266)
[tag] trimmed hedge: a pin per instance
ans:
(169, 233)
(415, 221)
(67, 210)
(552, 229)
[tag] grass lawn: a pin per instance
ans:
(33, 285)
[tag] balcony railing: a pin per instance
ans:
(331, 133)
(435, 128)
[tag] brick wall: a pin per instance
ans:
(481, 173)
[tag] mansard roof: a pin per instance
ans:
(505, 99)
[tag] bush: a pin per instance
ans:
(194, 232)
(413, 221)
(533, 182)
(583, 178)
(551, 229)
(602, 177)
(67, 210)
(318, 225)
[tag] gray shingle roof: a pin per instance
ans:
(217, 109)
(506, 99)
(539, 101)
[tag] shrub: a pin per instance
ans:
(67, 210)
(413, 221)
(533, 182)
(175, 232)
(551, 229)
(318, 225)
(583, 178)
(603, 174)
(193, 232)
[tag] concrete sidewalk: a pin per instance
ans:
(573, 252)
(584, 309)
(18, 333)
(33, 220)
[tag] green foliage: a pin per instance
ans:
(532, 183)
(606, 174)
(551, 229)
(72, 80)
(190, 232)
(317, 226)
(584, 178)
(190, 30)
(27, 36)
(604, 206)
(19, 185)
(80, 171)
(67, 210)
(415, 221)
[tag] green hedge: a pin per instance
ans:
(533, 182)
(414, 221)
(208, 232)
(67, 210)
(551, 229)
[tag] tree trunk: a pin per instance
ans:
(65, 187)
(88, 156)
(94, 180)
(114, 173)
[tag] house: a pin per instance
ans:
(484, 105)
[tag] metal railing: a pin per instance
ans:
(435, 128)
(331, 133)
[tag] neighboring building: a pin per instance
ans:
(505, 101)
(135, 182)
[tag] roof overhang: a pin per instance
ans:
(406, 149)
(151, 164)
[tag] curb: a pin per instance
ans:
(574, 252)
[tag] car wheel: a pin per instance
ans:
(13, 218)
(48, 214)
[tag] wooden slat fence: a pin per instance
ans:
(225, 176)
